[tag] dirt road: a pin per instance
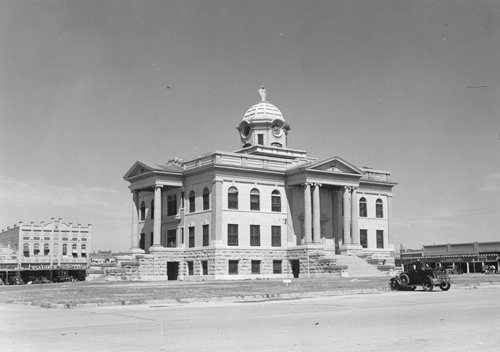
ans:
(457, 320)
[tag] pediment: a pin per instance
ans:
(142, 168)
(138, 169)
(336, 165)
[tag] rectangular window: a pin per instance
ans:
(206, 235)
(232, 198)
(275, 203)
(192, 202)
(254, 235)
(379, 210)
(260, 139)
(152, 239)
(172, 238)
(204, 267)
(206, 199)
(276, 236)
(277, 267)
(232, 234)
(171, 205)
(363, 238)
(254, 202)
(182, 235)
(190, 266)
(380, 238)
(233, 267)
(255, 266)
(191, 236)
(362, 209)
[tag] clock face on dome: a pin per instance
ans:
(245, 130)
(277, 131)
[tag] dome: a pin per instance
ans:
(263, 111)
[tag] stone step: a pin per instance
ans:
(357, 267)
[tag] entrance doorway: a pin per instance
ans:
(172, 270)
(295, 264)
(142, 241)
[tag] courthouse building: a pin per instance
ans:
(46, 250)
(264, 210)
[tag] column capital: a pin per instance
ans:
(158, 186)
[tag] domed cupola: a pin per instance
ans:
(263, 124)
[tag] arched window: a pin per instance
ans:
(232, 198)
(276, 201)
(46, 249)
(362, 208)
(152, 209)
(143, 211)
(254, 199)
(83, 247)
(192, 205)
(379, 208)
(26, 250)
(36, 249)
(65, 249)
(206, 199)
(74, 247)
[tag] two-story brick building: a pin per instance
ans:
(46, 249)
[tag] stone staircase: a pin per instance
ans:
(358, 267)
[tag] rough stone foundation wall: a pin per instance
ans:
(313, 261)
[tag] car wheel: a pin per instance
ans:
(405, 279)
(394, 284)
(445, 286)
(428, 286)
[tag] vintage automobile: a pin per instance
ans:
(418, 275)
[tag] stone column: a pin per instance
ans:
(316, 214)
(157, 217)
(347, 216)
(354, 216)
(134, 238)
(307, 213)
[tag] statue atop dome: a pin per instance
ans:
(263, 93)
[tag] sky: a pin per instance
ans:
(89, 87)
